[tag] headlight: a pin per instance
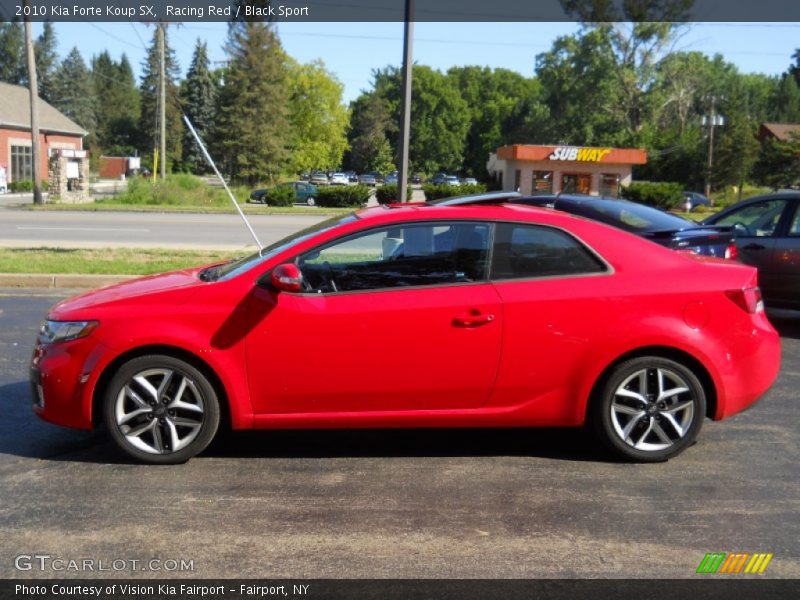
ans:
(62, 331)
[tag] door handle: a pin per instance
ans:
(473, 319)
(753, 247)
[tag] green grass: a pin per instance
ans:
(254, 209)
(105, 261)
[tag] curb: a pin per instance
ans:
(35, 280)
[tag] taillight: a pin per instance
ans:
(748, 299)
(731, 252)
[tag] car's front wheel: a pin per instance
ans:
(310, 201)
(650, 409)
(160, 409)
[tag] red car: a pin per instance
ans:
(416, 316)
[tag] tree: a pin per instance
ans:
(370, 149)
(12, 54)
(779, 164)
(149, 92)
(318, 118)
(73, 93)
(252, 131)
(198, 92)
(44, 49)
(787, 101)
(118, 104)
(493, 96)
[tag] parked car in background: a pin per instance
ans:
(338, 179)
(391, 179)
(439, 179)
(767, 230)
(656, 225)
(694, 199)
(352, 177)
(367, 179)
(535, 319)
(452, 180)
(470, 181)
(416, 179)
(303, 192)
(318, 178)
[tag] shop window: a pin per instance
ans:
(576, 183)
(517, 179)
(21, 163)
(609, 185)
(542, 182)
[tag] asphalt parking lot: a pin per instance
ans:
(465, 504)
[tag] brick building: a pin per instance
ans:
(55, 131)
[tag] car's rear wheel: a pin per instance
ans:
(650, 409)
(310, 201)
(160, 409)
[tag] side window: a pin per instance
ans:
(794, 226)
(522, 251)
(393, 257)
(755, 220)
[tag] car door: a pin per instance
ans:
(786, 261)
(756, 227)
(392, 319)
(552, 288)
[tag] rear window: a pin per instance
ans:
(525, 251)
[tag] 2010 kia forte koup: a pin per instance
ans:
(416, 316)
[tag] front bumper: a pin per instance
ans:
(62, 379)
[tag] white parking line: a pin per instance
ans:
(132, 230)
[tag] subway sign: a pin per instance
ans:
(573, 153)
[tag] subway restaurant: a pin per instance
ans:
(531, 169)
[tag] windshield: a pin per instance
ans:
(238, 266)
(635, 217)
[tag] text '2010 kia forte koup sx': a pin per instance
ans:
(416, 316)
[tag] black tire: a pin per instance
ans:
(199, 385)
(609, 428)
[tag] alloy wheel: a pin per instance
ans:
(159, 411)
(652, 409)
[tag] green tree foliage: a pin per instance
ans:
(318, 118)
(12, 53)
(44, 49)
(73, 93)
(493, 96)
(149, 92)
(252, 130)
(779, 164)
(787, 101)
(118, 104)
(199, 90)
(368, 137)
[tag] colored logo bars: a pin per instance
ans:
(734, 563)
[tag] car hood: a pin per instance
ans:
(175, 281)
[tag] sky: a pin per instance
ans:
(352, 50)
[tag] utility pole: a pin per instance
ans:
(162, 101)
(33, 88)
(712, 120)
(405, 120)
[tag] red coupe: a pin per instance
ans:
(416, 316)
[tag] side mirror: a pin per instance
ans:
(286, 278)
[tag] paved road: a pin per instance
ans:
(403, 504)
(22, 228)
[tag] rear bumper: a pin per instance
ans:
(752, 363)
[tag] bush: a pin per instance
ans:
(344, 196)
(176, 190)
(434, 192)
(280, 195)
(25, 185)
(387, 194)
(661, 194)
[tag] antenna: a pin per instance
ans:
(225, 185)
